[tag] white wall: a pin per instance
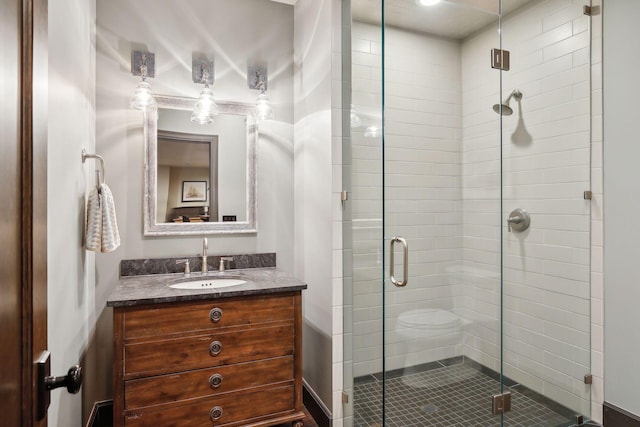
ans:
(235, 33)
(73, 308)
(318, 216)
(621, 175)
(201, 27)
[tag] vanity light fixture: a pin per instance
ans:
(257, 79)
(205, 108)
(143, 64)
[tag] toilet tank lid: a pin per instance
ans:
(430, 318)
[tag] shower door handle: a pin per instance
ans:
(405, 270)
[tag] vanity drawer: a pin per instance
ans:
(207, 382)
(164, 319)
(202, 351)
(233, 410)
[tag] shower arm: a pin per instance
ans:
(514, 94)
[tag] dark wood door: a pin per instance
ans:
(23, 238)
(10, 213)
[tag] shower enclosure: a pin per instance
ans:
(467, 230)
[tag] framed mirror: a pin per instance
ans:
(199, 179)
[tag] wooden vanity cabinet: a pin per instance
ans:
(222, 362)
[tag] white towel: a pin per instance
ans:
(101, 234)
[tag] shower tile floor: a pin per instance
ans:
(455, 392)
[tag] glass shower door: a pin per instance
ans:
(545, 172)
(466, 231)
(441, 182)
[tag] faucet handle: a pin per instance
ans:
(221, 267)
(518, 220)
(187, 268)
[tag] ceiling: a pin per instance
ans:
(450, 18)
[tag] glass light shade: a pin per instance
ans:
(263, 110)
(429, 2)
(355, 119)
(142, 98)
(205, 108)
(372, 132)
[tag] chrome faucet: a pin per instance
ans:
(205, 246)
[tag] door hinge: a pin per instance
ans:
(501, 403)
(591, 10)
(344, 195)
(345, 397)
(500, 59)
(588, 195)
(588, 379)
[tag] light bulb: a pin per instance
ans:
(429, 2)
(372, 132)
(205, 108)
(263, 110)
(142, 98)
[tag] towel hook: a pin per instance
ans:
(86, 156)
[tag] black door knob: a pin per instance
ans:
(72, 381)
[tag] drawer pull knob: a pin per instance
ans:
(215, 348)
(215, 413)
(215, 380)
(215, 315)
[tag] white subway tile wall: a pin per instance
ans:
(442, 190)
(366, 201)
(423, 136)
(546, 152)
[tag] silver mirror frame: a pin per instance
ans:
(150, 136)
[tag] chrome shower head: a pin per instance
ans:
(506, 110)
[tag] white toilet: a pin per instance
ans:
(428, 323)
(428, 334)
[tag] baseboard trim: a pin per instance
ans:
(618, 417)
(101, 414)
(315, 406)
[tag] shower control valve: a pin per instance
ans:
(518, 220)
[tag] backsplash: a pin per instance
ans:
(143, 267)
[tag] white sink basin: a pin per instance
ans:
(209, 282)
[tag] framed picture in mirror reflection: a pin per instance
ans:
(194, 191)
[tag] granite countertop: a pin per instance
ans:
(154, 289)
